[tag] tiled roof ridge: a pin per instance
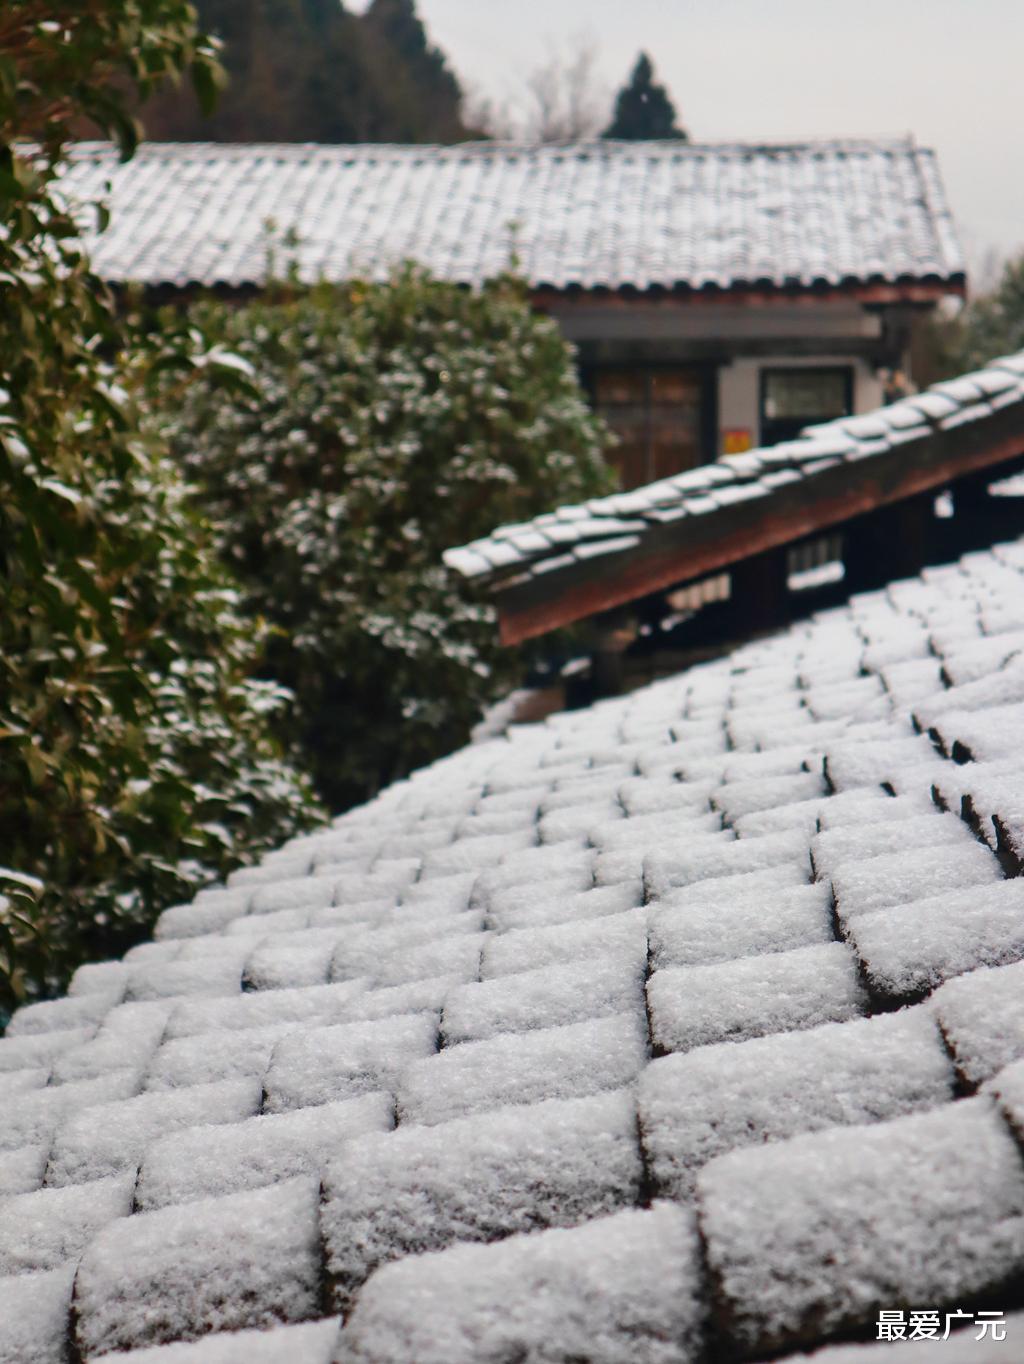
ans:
(895, 143)
(713, 498)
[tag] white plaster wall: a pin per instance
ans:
(739, 386)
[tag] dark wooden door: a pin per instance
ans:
(657, 414)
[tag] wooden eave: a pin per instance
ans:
(869, 293)
(696, 546)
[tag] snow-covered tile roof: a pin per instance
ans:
(723, 512)
(689, 1026)
(596, 215)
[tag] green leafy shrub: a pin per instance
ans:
(136, 760)
(991, 324)
(389, 422)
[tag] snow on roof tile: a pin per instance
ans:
(844, 1217)
(587, 215)
(692, 1006)
(633, 1280)
(203, 1161)
(699, 932)
(109, 1139)
(982, 1019)
(546, 997)
(893, 880)
(554, 1163)
(45, 1229)
(34, 1311)
(322, 1065)
(689, 844)
(897, 830)
(702, 1103)
(39, 1113)
(567, 1061)
(22, 1170)
(312, 1342)
(243, 1260)
(910, 950)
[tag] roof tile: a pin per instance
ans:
(244, 1260)
(878, 1197)
(476, 1179)
(590, 215)
(633, 1280)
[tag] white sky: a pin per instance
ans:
(949, 71)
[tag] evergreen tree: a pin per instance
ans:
(310, 71)
(137, 762)
(992, 324)
(411, 77)
(643, 109)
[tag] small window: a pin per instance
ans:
(794, 398)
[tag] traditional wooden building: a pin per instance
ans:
(721, 297)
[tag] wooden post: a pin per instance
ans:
(613, 633)
(759, 594)
(890, 543)
(979, 519)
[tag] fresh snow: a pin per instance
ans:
(109, 1139)
(309, 1342)
(691, 1006)
(217, 1264)
(322, 1065)
(555, 1163)
(981, 1015)
(907, 952)
(897, 879)
(34, 1317)
(759, 872)
(622, 1288)
(689, 932)
(854, 1219)
(700, 1104)
(205, 1161)
(545, 997)
(44, 1229)
(559, 1062)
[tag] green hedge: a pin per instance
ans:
(388, 421)
(136, 754)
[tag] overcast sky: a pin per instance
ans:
(949, 71)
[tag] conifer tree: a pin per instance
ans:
(418, 95)
(643, 109)
(312, 71)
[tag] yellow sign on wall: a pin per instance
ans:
(736, 439)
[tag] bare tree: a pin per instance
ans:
(565, 98)
(485, 116)
(561, 100)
